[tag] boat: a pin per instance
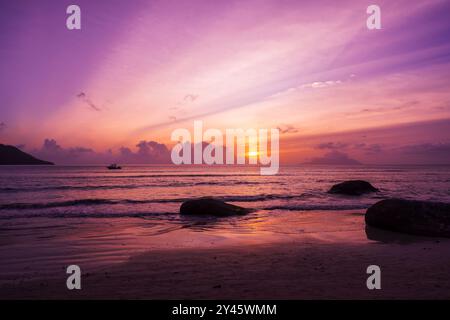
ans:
(114, 166)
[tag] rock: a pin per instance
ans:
(413, 217)
(353, 188)
(211, 206)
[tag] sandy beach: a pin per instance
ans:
(309, 259)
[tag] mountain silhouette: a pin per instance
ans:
(10, 155)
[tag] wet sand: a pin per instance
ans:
(296, 256)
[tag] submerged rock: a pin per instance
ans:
(353, 188)
(413, 217)
(211, 206)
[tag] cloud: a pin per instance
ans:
(50, 145)
(83, 97)
(429, 149)
(360, 146)
(152, 151)
(81, 150)
(308, 85)
(148, 152)
(287, 129)
(180, 105)
(373, 148)
(421, 143)
(334, 158)
(190, 97)
(321, 84)
(380, 110)
(2, 126)
(332, 145)
(52, 151)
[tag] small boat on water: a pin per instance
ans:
(114, 166)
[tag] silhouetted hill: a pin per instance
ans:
(10, 155)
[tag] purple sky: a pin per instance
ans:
(139, 69)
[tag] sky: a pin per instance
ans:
(137, 70)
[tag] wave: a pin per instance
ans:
(174, 214)
(47, 205)
(95, 202)
(127, 187)
(88, 215)
(194, 175)
(311, 207)
(262, 197)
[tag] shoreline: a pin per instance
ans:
(316, 255)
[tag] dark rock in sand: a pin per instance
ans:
(413, 217)
(353, 188)
(211, 206)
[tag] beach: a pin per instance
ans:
(322, 262)
(124, 231)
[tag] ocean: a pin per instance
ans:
(156, 192)
(54, 216)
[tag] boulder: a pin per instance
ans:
(353, 188)
(211, 206)
(413, 217)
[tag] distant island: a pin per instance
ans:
(10, 155)
(334, 158)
